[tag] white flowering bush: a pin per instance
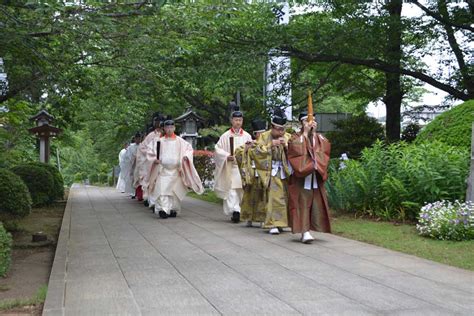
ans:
(447, 220)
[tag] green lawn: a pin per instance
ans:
(399, 237)
(404, 238)
(208, 196)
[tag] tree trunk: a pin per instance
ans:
(393, 90)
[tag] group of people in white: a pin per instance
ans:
(273, 179)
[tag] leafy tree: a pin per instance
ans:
(354, 134)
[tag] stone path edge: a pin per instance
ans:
(54, 303)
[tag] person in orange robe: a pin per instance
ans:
(308, 153)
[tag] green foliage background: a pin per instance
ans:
(395, 181)
(104, 68)
(453, 127)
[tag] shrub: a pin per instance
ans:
(93, 178)
(5, 250)
(102, 178)
(204, 164)
(354, 134)
(410, 132)
(15, 199)
(110, 181)
(57, 178)
(447, 221)
(39, 181)
(79, 177)
(393, 182)
(452, 127)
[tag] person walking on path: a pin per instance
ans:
(228, 182)
(175, 173)
(308, 152)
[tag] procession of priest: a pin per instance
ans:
(272, 180)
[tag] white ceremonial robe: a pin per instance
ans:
(121, 181)
(140, 168)
(130, 156)
(149, 156)
(228, 183)
(173, 175)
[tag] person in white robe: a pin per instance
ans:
(138, 165)
(130, 157)
(175, 173)
(121, 179)
(149, 153)
(227, 179)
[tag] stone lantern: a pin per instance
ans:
(189, 121)
(44, 131)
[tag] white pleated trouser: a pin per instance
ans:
(232, 203)
(167, 203)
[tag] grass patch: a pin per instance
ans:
(404, 238)
(47, 219)
(208, 196)
(39, 298)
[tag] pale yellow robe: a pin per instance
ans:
(228, 183)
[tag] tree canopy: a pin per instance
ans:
(102, 68)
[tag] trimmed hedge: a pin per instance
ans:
(452, 127)
(57, 178)
(39, 181)
(15, 199)
(5, 250)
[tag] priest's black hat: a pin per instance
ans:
(259, 125)
(157, 116)
(168, 121)
(279, 118)
(303, 115)
(235, 111)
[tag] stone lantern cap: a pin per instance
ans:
(43, 129)
(42, 118)
(189, 114)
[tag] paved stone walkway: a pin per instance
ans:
(115, 257)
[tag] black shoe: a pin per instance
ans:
(235, 217)
(146, 203)
(163, 214)
(133, 197)
(173, 214)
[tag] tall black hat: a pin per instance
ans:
(168, 121)
(157, 119)
(259, 125)
(279, 117)
(235, 110)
